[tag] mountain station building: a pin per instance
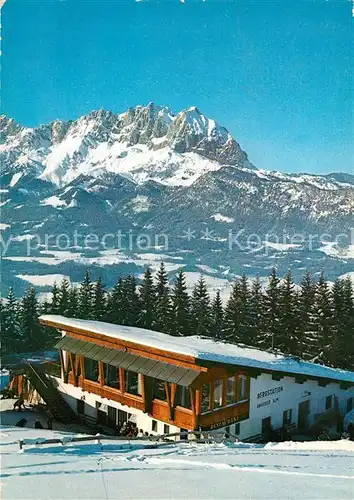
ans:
(111, 374)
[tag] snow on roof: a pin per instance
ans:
(204, 349)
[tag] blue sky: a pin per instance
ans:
(277, 74)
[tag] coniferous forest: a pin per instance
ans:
(313, 321)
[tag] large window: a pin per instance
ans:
(91, 369)
(230, 390)
(133, 383)
(205, 398)
(329, 402)
(111, 376)
(182, 397)
(159, 390)
(242, 387)
(218, 389)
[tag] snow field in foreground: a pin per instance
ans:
(123, 469)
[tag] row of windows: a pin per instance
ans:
(332, 402)
(133, 382)
(111, 376)
(214, 395)
(224, 392)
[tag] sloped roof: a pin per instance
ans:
(203, 349)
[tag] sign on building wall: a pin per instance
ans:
(269, 392)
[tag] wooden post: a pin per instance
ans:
(101, 373)
(122, 379)
(173, 394)
(168, 398)
(148, 392)
(211, 396)
(197, 402)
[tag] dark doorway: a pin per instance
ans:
(303, 418)
(80, 407)
(112, 417)
(122, 417)
(266, 425)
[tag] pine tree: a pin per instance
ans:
(200, 309)
(10, 333)
(180, 324)
(115, 311)
(233, 315)
(86, 297)
(257, 333)
(147, 301)
(162, 322)
(320, 342)
(348, 325)
(217, 318)
(288, 326)
(99, 300)
(55, 300)
(305, 316)
(271, 306)
(73, 302)
(245, 331)
(237, 318)
(340, 352)
(63, 297)
(130, 302)
(28, 322)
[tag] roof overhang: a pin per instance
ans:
(123, 359)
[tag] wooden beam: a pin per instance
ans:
(101, 373)
(197, 402)
(82, 364)
(168, 398)
(173, 394)
(122, 380)
(192, 398)
(148, 392)
(72, 364)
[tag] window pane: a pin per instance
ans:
(182, 397)
(111, 376)
(242, 387)
(218, 393)
(205, 398)
(231, 390)
(328, 402)
(91, 369)
(132, 384)
(159, 390)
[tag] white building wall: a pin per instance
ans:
(287, 395)
(143, 421)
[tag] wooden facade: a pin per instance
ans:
(217, 397)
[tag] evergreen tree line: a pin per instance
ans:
(312, 321)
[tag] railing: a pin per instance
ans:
(157, 441)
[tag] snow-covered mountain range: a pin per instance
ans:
(149, 170)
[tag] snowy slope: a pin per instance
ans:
(132, 470)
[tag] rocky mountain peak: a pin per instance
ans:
(145, 142)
